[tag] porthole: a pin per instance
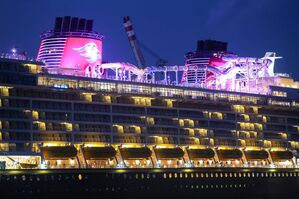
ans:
(80, 177)
(181, 175)
(175, 175)
(197, 175)
(164, 176)
(207, 175)
(192, 175)
(216, 175)
(221, 175)
(240, 175)
(212, 175)
(225, 175)
(186, 175)
(235, 175)
(202, 175)
(230, 175)
(170, 175)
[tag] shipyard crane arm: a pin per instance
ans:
(136, 45)
(133, 41)
(160, 61)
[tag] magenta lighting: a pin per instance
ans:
(72, 47)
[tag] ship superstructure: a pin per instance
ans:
(115, 115)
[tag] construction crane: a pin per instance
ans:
(136, 44)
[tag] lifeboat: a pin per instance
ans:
(256, 155)
(136, 153)
(281, 155)
(99, 153)
(59, 152)
(201, 153)
(229, 154)
(169, 153)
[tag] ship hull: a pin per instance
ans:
(153, 183)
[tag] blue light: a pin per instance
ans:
(62, 86)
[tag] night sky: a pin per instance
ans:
(168, 27)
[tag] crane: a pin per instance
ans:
(136, 45)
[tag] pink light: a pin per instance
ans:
(80, 53)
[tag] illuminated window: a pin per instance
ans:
(279, 93)
(150, 120)
(107, 99)
(4, 90)
(68, 126)
(279, 103)
(130, 88)
(168, 92)
(245, 117)
(119, 128)
(87, 96)
(144, 101)
(216, 115)
(239, 108)
(41, 125)
(35, 115)
(264, 119)
(284, 136)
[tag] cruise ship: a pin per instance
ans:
(218, 124)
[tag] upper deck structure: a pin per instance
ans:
(218, 110)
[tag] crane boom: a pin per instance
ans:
(134, 42)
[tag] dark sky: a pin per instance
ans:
(169, 27)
